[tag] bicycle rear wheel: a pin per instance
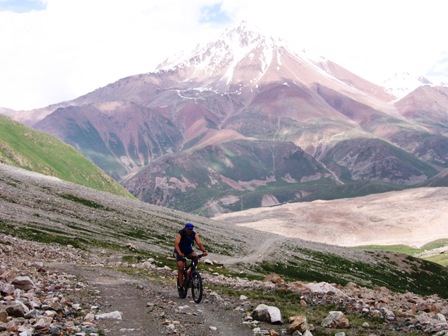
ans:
(196, 287)
(183, 290)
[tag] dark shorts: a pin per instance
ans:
(179, 258)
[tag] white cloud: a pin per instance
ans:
(75, 46)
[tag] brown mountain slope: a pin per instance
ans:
(427, 105)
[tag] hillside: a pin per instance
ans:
(46, 209)
(104, 264)
(24, 147)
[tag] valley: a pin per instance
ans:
(412, 217)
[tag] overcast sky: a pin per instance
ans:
(56, 50)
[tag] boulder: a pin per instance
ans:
(268, 314)
(23, 282)
(335, 319)
(298, 323)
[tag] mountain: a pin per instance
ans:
(7, 112)
(244, 121)
(117, 228)
(403, 83)
(24, 147)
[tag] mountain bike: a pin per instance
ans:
(192, 279)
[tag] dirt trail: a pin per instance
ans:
(260, 250)
(148, 308)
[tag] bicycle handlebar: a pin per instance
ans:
(199, 256)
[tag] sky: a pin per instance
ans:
(56, 50)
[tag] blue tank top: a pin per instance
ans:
(186, 242)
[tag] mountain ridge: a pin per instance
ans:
(267, 96)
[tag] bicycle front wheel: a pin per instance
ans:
(196, 287)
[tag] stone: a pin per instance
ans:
(298, 323)
(115, 315)
(274, 278)
(23, 282)
(268, 314)
(16, 311)
(335, 319)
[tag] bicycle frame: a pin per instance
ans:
(192, 279)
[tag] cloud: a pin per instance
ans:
(71, 47)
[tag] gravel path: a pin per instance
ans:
(153, 309)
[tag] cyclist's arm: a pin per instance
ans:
(201, 247)
(176, 245)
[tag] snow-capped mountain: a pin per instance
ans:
(244, 121)
(243, 59)
(403, 83)
(231, 59)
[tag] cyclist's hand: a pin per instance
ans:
(204, 253)
(181, 255)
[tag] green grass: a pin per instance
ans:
(405, 249)
(435, 244)
(318, 266)
(47, 235)
(289, 304)
(24, 147)
(83, 201)
(439, 258)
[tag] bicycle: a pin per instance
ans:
(191, 278)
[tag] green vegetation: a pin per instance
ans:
(59, 213)
(318, 266)
(24, 147)
(393, 248)
(289, 302)
(47, 235)
(83, 201)
(435, 244)
(428, 251)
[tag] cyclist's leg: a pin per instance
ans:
(180, 270)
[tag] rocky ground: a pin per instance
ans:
(54, 290)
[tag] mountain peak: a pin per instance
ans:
(403, 83)
(244, 34)
(243, 57)
(234, 42)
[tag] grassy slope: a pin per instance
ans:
(437, 257)
(24, 147)
(108, 223)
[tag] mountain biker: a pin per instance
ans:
(183, 246)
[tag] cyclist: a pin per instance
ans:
(183, 247)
